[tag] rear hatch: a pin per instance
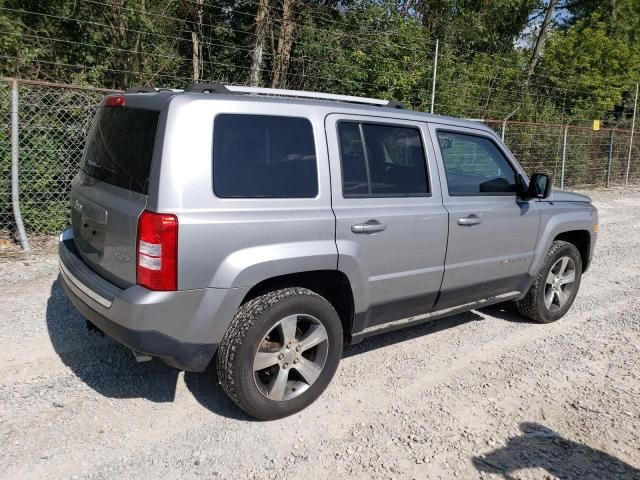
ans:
(110, 192)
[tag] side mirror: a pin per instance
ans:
(540, 186)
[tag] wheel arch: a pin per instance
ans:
(581, 239)
(333, 285)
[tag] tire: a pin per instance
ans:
(533, 305)
(258, 335)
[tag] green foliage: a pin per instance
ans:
(585, 58)
(362, 47)
(376, 48)
(393, 64)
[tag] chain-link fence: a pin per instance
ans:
(576, 156)
(54, 120)
(6, 213)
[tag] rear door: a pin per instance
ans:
(110, 192)
(391, 226)
(492, 232)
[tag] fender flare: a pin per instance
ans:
(557, 224)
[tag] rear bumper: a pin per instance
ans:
(181, 355)
(160, 324)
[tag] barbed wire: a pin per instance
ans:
(431, 42)
(180, 39)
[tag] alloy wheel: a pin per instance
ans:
(290, 357)
(559, 283)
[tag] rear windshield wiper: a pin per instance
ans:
(99, 167)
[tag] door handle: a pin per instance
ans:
(469, 221)
(372, 226)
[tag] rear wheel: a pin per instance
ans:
(556, 285)
(280, 352)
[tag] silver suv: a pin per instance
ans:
(267, 228)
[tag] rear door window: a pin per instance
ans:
(263, 156)
(382, 160)
(119, 147)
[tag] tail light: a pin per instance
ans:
(115, 101)
(157, 251)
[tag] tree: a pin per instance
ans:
(196, 41)
(594, 67)
(540, 39)
(285, 42)
(258, 45)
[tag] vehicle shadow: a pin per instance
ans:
(206, 389)
(542, 448)
(409, 333)
(503, 311)
(100, 362)
(110, 369)
(506, 311)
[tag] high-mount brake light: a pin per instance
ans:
(115, 101)
(157, 251)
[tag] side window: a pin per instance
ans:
(355, 179)
(381, 160)
(474, 165)
(262, 156)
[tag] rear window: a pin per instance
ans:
(119, 147)
(262, 156)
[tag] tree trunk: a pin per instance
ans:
(285, 42)
(537, 50)
(196, 42)
(258, 44)
(119, 29)
(138, 49)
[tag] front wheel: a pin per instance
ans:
(280, 352)
(556, 285)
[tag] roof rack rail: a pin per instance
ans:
(215, 87)
(396, 104)
(279, 92)
(141, 89)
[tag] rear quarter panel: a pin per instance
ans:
(228, 243)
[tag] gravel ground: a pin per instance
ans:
(480, 395)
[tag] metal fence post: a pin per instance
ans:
(15, 152)
(610, 157)
(633, 125)
(504, 122)
(435, 74)
(564, 155)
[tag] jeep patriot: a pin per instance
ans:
(263, 229)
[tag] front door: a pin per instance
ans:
(492, 232)
(391, 226)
